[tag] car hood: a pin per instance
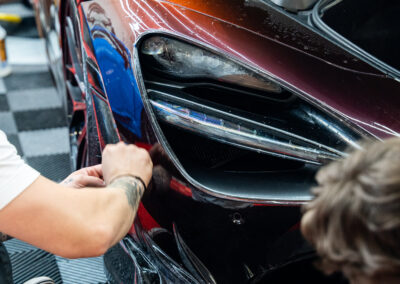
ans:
(277, 43)
(267, 20)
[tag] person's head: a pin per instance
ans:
(354, 220)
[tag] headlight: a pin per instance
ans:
(185, 61)
(250, 119)
(233, 131)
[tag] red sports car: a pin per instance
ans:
(239, 103)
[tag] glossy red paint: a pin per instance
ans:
(180, 187)
(258, 18)
(146, 220)
(326, 75)
(144, 145)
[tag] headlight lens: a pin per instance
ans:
(185, 61)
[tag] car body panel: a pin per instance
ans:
(119, 82)
(231, 238)
(294, 68)
(261, 18)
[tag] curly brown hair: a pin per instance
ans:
(354, 220)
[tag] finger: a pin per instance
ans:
(73, 174)
(90, 181)
(95, 171)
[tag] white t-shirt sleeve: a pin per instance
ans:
(15, 174)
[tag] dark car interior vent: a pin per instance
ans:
(232, 131)
(370, 25)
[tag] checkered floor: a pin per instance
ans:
(32, 117)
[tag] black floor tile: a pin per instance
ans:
(13, 139)
(27, 28)
(54, 167)
(4, 103)
(39, 119)
(23, 81)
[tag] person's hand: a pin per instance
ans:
(86, 177)
(121, 159)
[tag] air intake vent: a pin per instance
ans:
(247, 138)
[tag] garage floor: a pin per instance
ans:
(32, 117)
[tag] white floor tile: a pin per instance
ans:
(44, 142)
(33, 99)
(7, 123)
(26, 51)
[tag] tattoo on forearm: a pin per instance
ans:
(133, 189)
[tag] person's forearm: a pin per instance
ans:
(71, 222)
(106, 213)
(113, 212)
(132, 190)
